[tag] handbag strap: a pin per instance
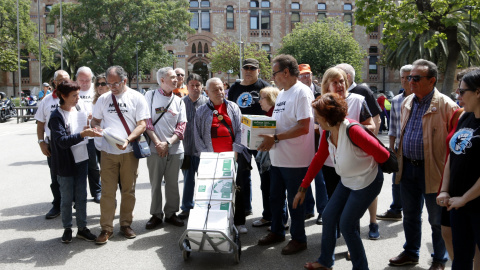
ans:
(364, 128)
(120, 115)
(222, 121)
(151, 107)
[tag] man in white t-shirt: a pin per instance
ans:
(84, 79)
(118, 161)
(165, 129)
(291, 151)
(49, 103)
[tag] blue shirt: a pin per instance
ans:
(395, 127)
(189, 135)
(413, 135)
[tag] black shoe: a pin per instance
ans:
(174, 220)
(86, 235)
(309, 216)
(184, 214)
(248, 213)
(53, 213)
(67, 236)
(97, 197)
(389, 215)
(319, 220)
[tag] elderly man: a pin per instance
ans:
(84, 79)
(119, 162)
(292, 154)
(217, 129)
(181, 89)
(165, 129)
(306, 77)
(421, 151)
(193, 101)
(395, 211)
(45, 108)
(246, 94)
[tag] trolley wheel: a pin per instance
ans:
(185, 252)
(239, 249)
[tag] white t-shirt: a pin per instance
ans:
(87, 97)
(290, 107)
(75, 121)
(45, 108)
(165, 128)
(134, 108)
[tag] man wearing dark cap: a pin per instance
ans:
(246, 94)
(306, 78)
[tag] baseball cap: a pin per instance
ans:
(304, 68)
(251, 62)
(46, 84)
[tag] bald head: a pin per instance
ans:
(60, 76)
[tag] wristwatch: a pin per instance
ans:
(275, 138)
(169, 144)
(40, 141)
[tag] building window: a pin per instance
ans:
(321, 17)
(265, 19)
(372, 65)
(194, 48)
(200, 48)
(347, 7)
(348, 19)
(373, 49)
(254, 20)
(266, 47)
(206, 20)
(254, 4)
(322, 6)
(48, 8)
(194, 20)
(25, 71)
(295, 5)
(295, 18)
(374, 89)
(205, 4)
(194, 4)
(230, 17)
(206, 48)
(50, 28)
(265, 4)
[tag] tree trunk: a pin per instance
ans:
(452, 60)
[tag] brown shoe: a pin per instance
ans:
(127, 232)
(103, 237)
(293, 247)
(153, 222)
(403, 259)
(271, 238)
(174, 220)
(437, 266)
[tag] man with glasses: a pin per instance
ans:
(306, 77)
(424, 123)
(246, 94)
(193, 101)
(84, 80)
(119, 162)
(181, 89)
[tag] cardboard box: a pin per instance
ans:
(254, 125)
(214, 189)
(216, 165)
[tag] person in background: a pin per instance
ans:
(306, 77)
(226, 86)
(181, 89)
(45, 91)
(381, 102)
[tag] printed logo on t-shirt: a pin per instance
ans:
(245, 100)
(280, 107)
(121, 106)
(86, 98)
(462, 140)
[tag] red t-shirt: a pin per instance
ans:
(381, 102)
(221, 139)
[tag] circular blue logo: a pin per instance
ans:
(244, 100)
(461, 140)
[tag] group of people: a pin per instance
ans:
(319, 137)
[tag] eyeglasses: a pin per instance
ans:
(250, 68)
(117, 84)
(417, 78)
(462, 91)
(101, 84)
(275, 73)
(180, 75)
(304, 76)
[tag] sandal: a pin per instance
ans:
(310, 266)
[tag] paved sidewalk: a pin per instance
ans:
(28, 240)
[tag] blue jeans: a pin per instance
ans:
(320, 192)
(265, 187)
(465, 236)
(74, 187)
(93, 169)
(412, 188)
(346, 207)
(189, 184)
(54, 187)
(287, 179)
(396, 206)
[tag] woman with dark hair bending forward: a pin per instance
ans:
(361, 178)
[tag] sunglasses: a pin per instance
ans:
(417, 78)
(462, 91)
(180, 75)
(250, 68)
(101, 84)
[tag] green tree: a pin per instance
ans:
(323, 45)
(431, 26)
(109, 30)
(225, 55)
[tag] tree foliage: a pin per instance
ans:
(225, 56)
(109, 31)
(323, 45)
(438, 28)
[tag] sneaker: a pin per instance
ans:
(242, 229)
(389, 215)
(86, 235)
(104, 237)
(53, 213)
(67, 236)
(373, 233)
(261, 222)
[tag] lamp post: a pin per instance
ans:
(240, 40)
(136, 53)
(470, 33)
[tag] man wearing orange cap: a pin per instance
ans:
(306, 78)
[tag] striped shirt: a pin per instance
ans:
(413, 135)
(189, 135)
(395, 127)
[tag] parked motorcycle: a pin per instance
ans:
(7, 108)
(30, 101)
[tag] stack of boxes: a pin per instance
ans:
(254, 125)
(214, 195)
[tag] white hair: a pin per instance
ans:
(348, 69)
(406, 68)
(161, 73)
(209, 81)
(180, 69)
(86, 70)
(55, 75)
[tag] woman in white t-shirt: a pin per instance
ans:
(69, 159)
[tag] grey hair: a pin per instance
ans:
(348, 69)
(432, 68)
(406, 68)
(181, 69)
(55, 75)
(161, 73)
(214, 79)
(84, 69)
(117, 70)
